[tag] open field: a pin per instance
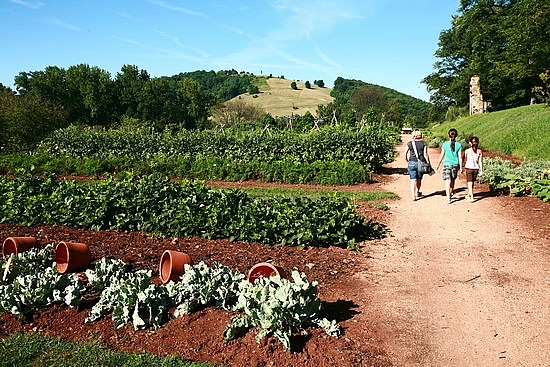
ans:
(279, 99)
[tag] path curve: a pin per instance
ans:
(459, 284)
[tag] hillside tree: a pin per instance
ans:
(505, 42)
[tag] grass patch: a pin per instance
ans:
(40, 351)
(369, 197)
(522, 132)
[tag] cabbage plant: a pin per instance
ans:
(278, 306)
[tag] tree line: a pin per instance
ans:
(505, 42)
(88, 95)
(357, 101)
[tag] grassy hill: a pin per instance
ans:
(279, 99)
(522, 132)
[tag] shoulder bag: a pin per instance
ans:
(423, 167)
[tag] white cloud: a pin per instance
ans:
(159, 51)
(299, 25)
(177, 42)
(178, 8)
(122, 14)
(36, 5)
(233, 29)
(59, 23)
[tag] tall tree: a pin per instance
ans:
(528, 53)
(502, 41)
(368, 97)
(157, 103)
(129, 83)
(95, 98)
(26, 120)
(193, 103)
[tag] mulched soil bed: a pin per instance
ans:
(199, 336)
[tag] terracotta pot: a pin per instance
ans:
(15, 245)
(172, 265)
(72, 256)
(265, 270)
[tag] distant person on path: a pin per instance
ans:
(473, 166)
(412, 159)
(451, 156)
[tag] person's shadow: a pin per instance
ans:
(477, 196)
(394, 171)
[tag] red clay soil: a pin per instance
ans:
(198, 336)
(345, 290)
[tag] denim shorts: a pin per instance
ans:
(450, 172)
(412, 167)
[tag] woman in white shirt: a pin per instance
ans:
(474, 166)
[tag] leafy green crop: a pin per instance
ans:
(369, 146)
(132, 298)
(274, 305)
(202, 285)
(30, 281)
(529, 178)
(186, 208)
(278, 306)
(332, 155)
(25, 263)
(105, 272)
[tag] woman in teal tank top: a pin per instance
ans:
(451, 156)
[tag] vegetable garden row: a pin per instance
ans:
(135, 201)
(529, 178)
(185, 208)
(332, 155)
(274, 305)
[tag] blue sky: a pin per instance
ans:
(384, 42)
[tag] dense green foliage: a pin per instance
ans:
(182, 209)
(327, 156)
(522, 132)
(220, 86)
(40, 351)
(288, 171)
(529, 178)
(505, 42)
(25, 121)
(369, 147)
(397, 108)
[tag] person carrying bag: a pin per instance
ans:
(423, 166)
(417, 158)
